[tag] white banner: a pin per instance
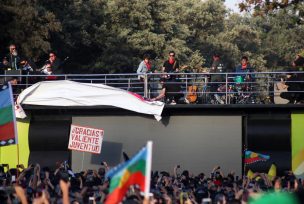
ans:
(73, 94)
(85, 139)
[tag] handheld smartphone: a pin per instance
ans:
(13, 178)
(91, 200)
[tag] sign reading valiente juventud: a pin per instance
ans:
(85, 139)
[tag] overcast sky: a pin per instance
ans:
(232, 4)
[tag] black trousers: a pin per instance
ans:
(291, 96)
(173, 96)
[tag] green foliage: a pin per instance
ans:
(28, 25)
(281, 38)
(196, 60)
(111, 36)
(261, 8)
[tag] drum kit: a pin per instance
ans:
(238, 91)
(241, 89)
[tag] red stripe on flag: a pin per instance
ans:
(255, 159)
(118, 194)
(7, 131)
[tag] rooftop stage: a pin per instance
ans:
(196, 136)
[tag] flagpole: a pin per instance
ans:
(82, 161)
(13, 109)
(15, 122)
(244, 173)
(17, 159)
(243, 160)
(148, 169)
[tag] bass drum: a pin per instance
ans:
(279, 87)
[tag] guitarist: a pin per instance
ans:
(171, 91)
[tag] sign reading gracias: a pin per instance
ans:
(85, 139)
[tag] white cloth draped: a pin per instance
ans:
(69, 93)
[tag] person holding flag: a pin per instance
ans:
(136, 171)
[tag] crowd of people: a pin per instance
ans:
(61, 185)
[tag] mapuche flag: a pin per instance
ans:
(135, 171)
(8, 130)
(251, 157)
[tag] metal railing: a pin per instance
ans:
(206, 88)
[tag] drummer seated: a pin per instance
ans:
(240, 83)
(245, 68)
